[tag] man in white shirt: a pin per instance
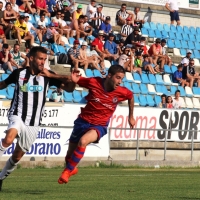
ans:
(177, 103)
(172, 6)
(91, 8)
(137, 17)
(15, 7)
(186, 59)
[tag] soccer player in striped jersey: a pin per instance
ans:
(27, 104)
(91, 125)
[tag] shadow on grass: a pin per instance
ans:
(34, 192)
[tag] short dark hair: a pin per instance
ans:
(16, 45)
(163, 95)
(42, 15)
(34, 51)
(115, 69)
(137, 7)
(59, 11)
(123, 5)
(177, 91)
(8, 3)
(81, 17)
(1, 2)
(168, 98)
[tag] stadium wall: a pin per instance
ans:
(155, 13)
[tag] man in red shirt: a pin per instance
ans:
(5, 58)
(92, 123)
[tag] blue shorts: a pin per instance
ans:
(174, 16)
(81, 127)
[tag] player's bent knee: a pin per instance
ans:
(83, 142)
(7, 141)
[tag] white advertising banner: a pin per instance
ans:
(181, 3)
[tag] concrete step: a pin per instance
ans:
(59, 69)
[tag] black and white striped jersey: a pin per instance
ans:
(127, 29)
(98, 22)
(122, 14)
(29, 95)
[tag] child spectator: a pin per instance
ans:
(138, 62)
(177, 78)
(163, 103)
(147, 65)
(169, 102)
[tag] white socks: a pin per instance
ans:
(9, 167)
(2, 149)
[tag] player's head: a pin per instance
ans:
(115, 75)
(38, 55)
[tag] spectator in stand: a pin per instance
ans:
(31, 29)
(168, 60)
(97, 17)
(91, 8)
(74, 57)
(147, 65)
(67, 15)
(111, 47)
(134, 37)
(189, 74)
(9, 17)
(6, 58)
(125, 60)
(86, 25)
(163, 103)
(42, 6)
(83, 56)
(177, 103)
(121, 46)
(16, 55)
(71, 5)
(58, 22)
(57, 96)
(53, 13)
(122, 14)
(2, 35)
(186, 59)
(24, 6)
(64, 27)
(21, 32)
(138, 63)
(172, 6)
(76, 14)
(143, 46)
(50, 4)
(155, 51)
(127, 29)
(53, 36)
(41, 25)
(14, 6)
(169, 102)
(177, 77)
(137, 17)
(106, 26)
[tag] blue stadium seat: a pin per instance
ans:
(192, 38)
(136, 77)
(179, 29)
(68, 96)
(165, 91)
(83, 95)
(198, 30)
(143, 88)
(183, 52)
(157, 99)
(49, 93)
(97, 73)
(3, 92)
(165, 34)
(136, 100)
(166, 27)
(184, 44)
(150, 101)
(182, 91)
(71, 40)
(3, 77)
(173, 89)
(160, 27)
(128, 86)
(167, 69)
(145, 79)
(10, 92)
(185, 36)
(77, 96)
(47, 21)
(159, 79)
(170, 43)
(89, 73)
(90, 38)
(179, 36)
(53, 87)
(135, 88)
(192, 30)
(152, 25)
(196, 90)
(158, 88)
(173, 28)
(142, 99)
(146, 25)
(158, 34)
(197, 45)
(191, 45)
(144, 31)
(152, 79)
(151, 33)
(177, 44)
(172, 35)
(186, 30)
(61, 49)
(196, 54)
(174, 68)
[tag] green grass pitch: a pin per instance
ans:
(103, 183)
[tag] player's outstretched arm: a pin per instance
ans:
(131, 119)
(2, 85)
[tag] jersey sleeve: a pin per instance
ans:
(84, 82)
(129, 95)
(12, 78)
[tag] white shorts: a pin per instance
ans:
(26, 134)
